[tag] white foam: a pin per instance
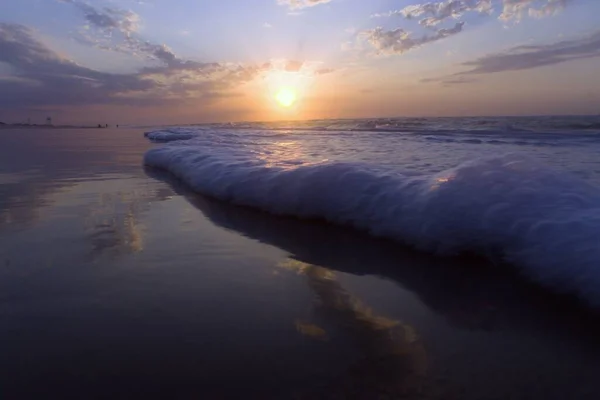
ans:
(545, 221)
(170, 135)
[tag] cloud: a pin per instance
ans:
(399, 41)
(516, 9)
(114, 29)
(526, 57)
(51, 78)
(110, 29)
(450, 80)
(432, 15)
(41, 77)
(534, 56)
(108, 20)
(436, 13)
(299, 4)
(267, 25)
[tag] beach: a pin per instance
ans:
(118, 281)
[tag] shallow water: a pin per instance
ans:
(118, 282)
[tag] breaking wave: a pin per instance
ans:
(508, 207)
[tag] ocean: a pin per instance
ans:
(432, 258)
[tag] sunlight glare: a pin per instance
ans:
(286, 96)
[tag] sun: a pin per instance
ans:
(286, 97)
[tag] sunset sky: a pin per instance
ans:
(187, 61)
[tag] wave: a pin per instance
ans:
(490, 138)
(471, 133)
(588, 126)
(584, 126)
(170, 135)
(509, 208)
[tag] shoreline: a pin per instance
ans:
(51, 127)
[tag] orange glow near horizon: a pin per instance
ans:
(285, 90)
(279, 94)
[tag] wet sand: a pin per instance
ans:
(118, 282)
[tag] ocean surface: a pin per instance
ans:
(399, 258)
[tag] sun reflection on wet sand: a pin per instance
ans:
(439, 181)
(113, 225)
(392, 361)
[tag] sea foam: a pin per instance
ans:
(507, 207)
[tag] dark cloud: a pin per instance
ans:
(42, 77)
(123, 21)
(533, 56)
(108, 19)
(114, 29)
(526, 57)
(173, 65)
(111, 20)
